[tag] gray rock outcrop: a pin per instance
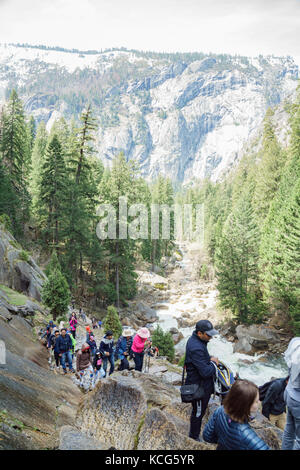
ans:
(259, 338)
(35, 402)
(18, 270)
(131, 410)
(129, 407)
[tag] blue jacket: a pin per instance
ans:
(122, 345)
(92, 344)
(106, 345)
(231, 435)
(199, 368)
(63, 344)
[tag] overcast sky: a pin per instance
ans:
(246, 27)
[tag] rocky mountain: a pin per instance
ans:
(185, 116)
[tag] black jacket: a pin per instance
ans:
(199, 367)
(63, 344)
(106, 345)
(273, 402)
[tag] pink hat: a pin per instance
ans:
(143, 333)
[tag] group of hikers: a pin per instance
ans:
(229, 426)
(92, 360)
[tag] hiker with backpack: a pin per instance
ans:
(271, 394)
(291, 434)
(74, 342)
(123, 348)
(55, 350)
(48, 330)
(138, 345)
(200, 371)
(107, 350)
(51, 343)
(97, 366)
(64, 347)
(83, 363)
(229, 425)
(88, 333)
(93, 345)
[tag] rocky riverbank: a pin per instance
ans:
(177, 298)
(176, 287)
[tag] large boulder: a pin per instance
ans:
(145, 313)
(257, 338)
(132, 410)
(18, 270)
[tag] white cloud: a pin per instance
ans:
(233, 26)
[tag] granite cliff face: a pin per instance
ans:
(18, 270)
(185, 116)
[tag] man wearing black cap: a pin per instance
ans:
(200, 370)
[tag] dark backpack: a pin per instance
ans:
(263, 389)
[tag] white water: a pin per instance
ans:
(255, 370)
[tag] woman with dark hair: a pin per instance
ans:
(229, 425)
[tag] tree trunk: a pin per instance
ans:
(117, 277)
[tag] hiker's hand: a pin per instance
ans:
(215, 359)
(107, 354)
(125, 353)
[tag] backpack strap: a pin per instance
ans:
(183, 373)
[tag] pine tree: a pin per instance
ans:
(52, 194)
(82, 195)
(8, 199)
(32, 132)
(236, 264)
(37, 159)
(156, 246)
(15, 156)
(120, 182)
(55, 293)
(279, 249)
(164, 342)
(269, 169)
(112, 322)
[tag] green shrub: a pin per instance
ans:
(164, 342)
(24, 256)
(5, 220)
(112, 322)
(15, 244)
(56, 293)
